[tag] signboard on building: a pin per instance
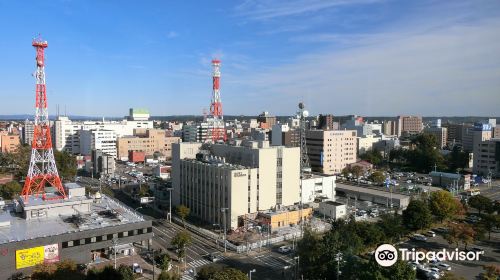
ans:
(37, 255)
(482, 127)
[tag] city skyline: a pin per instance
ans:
(386, 54)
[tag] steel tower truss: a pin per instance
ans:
(42, 169)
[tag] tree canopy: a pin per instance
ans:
(417, 215)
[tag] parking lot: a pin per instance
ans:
(466, 269)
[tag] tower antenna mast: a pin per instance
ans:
(42, 169)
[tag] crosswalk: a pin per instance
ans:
(202, 262)
(273, 261)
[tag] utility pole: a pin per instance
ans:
(115, 243)
(224, 213)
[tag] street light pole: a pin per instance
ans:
(297, 258)
(250, 273)
(169, 204)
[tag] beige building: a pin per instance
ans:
(441, 134)
(9, 143)
(330, 151)
(366, 142)
(245, 178)
(409, 124)
(148, 141)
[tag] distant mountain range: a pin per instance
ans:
(181, 118)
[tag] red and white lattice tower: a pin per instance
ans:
(217, 119)
(42, 169)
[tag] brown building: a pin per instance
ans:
(9, 143)
(148, 141)
(325, 122)
(496, 131)
(441, 134)
(409, 124)
(266, 121)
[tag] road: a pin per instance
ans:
(269, 264)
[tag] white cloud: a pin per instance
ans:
(444, 70)
(264, 10)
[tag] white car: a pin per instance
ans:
(136, 268)
(430, 233)
(285, 249)
(443, 266)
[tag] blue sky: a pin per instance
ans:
(366, 57)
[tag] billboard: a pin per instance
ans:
(37, 255)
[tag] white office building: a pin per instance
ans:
(98, 139)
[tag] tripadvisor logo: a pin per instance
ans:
(387, 255)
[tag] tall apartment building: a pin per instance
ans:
(197, 132)
(9, 143)
(441, 134)
(389, 128)
(331, 151)
(28, 130)
(487, 158)
(409, 124)
(245, 178)
(66, 133)
(98, 139)
(325, 122)
(148, 141)
(283, 135)
(455, 132)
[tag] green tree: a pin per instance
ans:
(457, 159)
(377, 177)
(181, 240)
(491, 272)
(164, 262)
(66, 269)
(10, 190)
(126, 272)
(417, 215)
(108, 272)
(310, 254)
(206, 272)
(144, 191)
(356, 171)
(373, 156)
(400, 270)
(443, 205)
(183, 212)
(489, 222)
(66, 165)
(230, 274)
(169, 275)
(392, 227)
(346, 171)
(481, 203)
(460, 233)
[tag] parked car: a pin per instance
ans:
(136, 268)
(419, 237)
(430, 233)
(285, 249)
(443, 266)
